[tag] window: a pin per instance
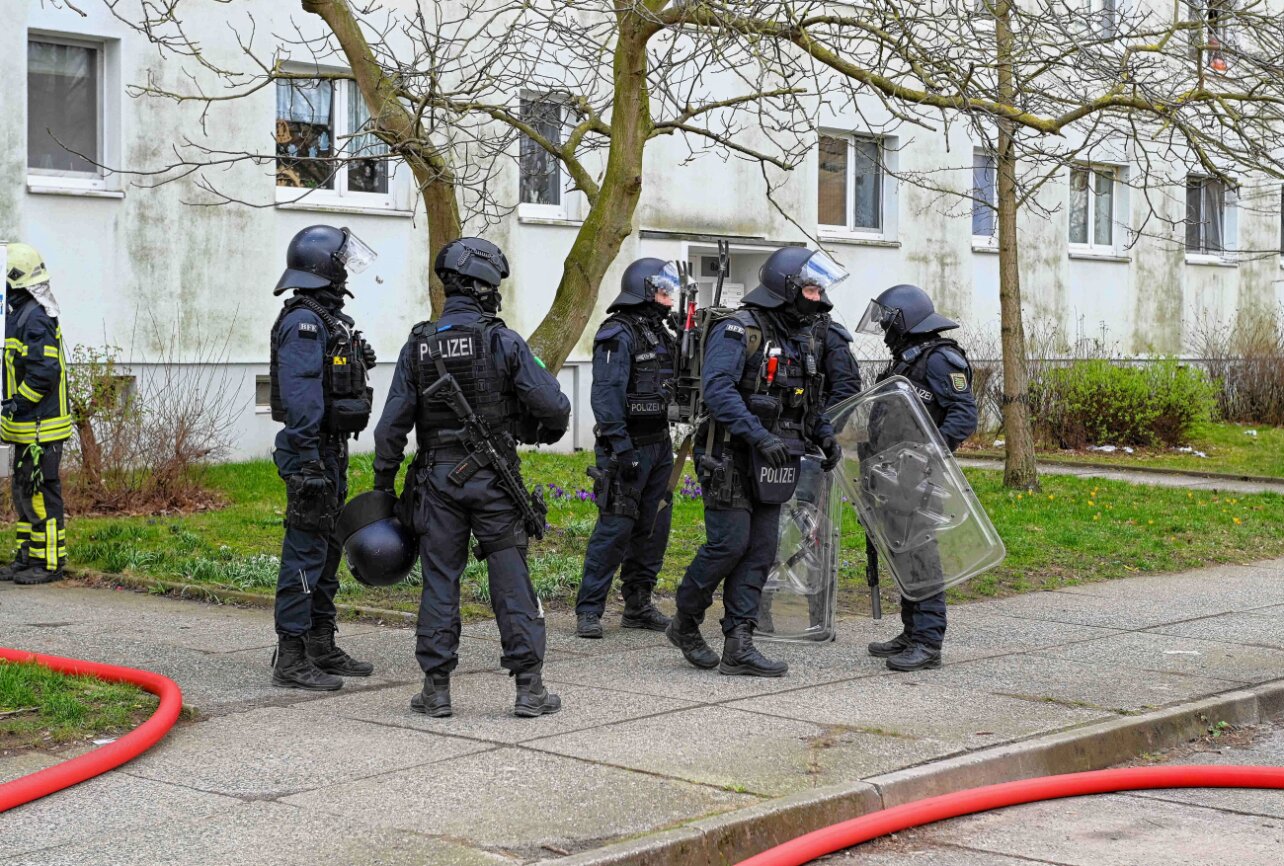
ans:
(64, 108)
(1213, 43)
(541, 172)
(1282, 224)
(850, 184)
(1092, 206)
(1104, 15)
(1208, 231)
(323, 141)
(984, 195)
(262, 393)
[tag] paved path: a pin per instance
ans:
(1195, 827)
(270, 776)
(1138, 476)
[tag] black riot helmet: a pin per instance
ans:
(321, 257)
(474, 267)
(786, 271)
(641, 280)
(901, 311)
(380, 550)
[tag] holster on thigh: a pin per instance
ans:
(518, 538)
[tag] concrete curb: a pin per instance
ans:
(1267, 480)
(732, 837)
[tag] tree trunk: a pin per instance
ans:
(397, 126)
(1020, 469)
(610, 220)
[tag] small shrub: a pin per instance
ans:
(1246, 364)
(1098, 402)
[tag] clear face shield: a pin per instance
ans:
(355, 255)
(822, 272)
(667, 283)
(875, 320)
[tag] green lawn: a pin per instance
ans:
(1231, 449)
(1075, 530)
(41, 709)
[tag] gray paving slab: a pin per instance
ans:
(28, 605)
(924, 710)
(261, 834)
(104, 807)
(915, 852)
(483, 705)
(23, 764)
(1079, 607)
(519, 800)
(1044, 677)
(1121, 831)
(1181, 655)
(272, 752)
(1251, 629)
(560, 628)
(1212, 590)
(739, 750)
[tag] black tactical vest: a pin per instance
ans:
(471, 354)
(912, 364)
(789, 402)
(650, 385)
(348, 399)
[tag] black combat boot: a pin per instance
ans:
(434, 700)
(684, 633)
(8, 571)
(34, 574)
(588, 625)
(888, 648)
(532, 698)
(741, 658)
(639, 612)
(292, 669)
(321, 649)
(916, 657)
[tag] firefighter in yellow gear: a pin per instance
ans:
(34, 417)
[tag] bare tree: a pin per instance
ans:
(1177, 87)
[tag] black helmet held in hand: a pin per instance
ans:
(901, 311)
(641, 280)
(321, 257)
(788, 270)
(380, 550)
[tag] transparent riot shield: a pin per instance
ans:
(799, 597)
(928, 526)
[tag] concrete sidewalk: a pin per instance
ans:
(1167, 478)
(645, 743)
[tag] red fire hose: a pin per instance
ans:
(104, 758)
(827, 840)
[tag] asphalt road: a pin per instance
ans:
(1198, 827)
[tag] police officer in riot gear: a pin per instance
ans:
(770, 370)
(34, 418)
(319, 393)
(939, 370)
(634, 354)
(455, 496)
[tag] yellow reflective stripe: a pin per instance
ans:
(38, 536)
(30, 393)
(38, 504)
(15, 345)
(51, 351)
(51, 558)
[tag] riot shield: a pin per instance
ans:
(930, 530)
(799, 597)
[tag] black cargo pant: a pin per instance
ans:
(446, 514)
(624, 537)
(37, 497)
(924, 621)
(739, 551)
(308, 580)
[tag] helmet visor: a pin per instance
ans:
(355, 254)
(821, 271)
(872, 322)
(667, 280)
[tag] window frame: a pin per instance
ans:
(1091, 246)
(534, 210)
(340, 197)
(886, 229)
(991, 239)
(99, 181)
(1230, 224)
(262, 380)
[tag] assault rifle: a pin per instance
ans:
(477, 437)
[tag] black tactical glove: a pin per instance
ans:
(549, 435)
(312, 478)
(774, 451)
(833, 453)
(9, 408)
(386, 481)
(629, 465)
(368, 354)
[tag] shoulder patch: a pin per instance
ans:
(734, 331)
(954, 358)
(307, 330)
(959, 381)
